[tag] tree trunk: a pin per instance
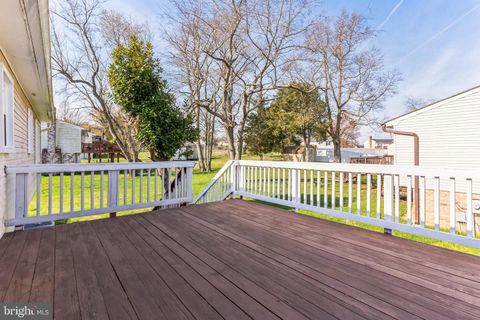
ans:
(209, 147)
(337, 153)
(201, 159)
(231, 143)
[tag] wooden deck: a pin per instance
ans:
(234, 260)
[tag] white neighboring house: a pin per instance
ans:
(325, 152)
(379, 143)
(448, 131)
(25, 88)
(68, 138)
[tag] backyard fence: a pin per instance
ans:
(63, 191)
(380, 195)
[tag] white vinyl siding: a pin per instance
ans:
(449, 134)
(6, 111)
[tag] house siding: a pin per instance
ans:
(448, 134)
(20, 154)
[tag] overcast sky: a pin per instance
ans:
(435, 44)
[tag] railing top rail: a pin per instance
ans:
(225, 167)
(372, 169)
(55, 168)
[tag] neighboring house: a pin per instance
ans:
(68, 142)
(25, 88)
(448, 131)
(324, 151)
(378, 143)
(449, 137)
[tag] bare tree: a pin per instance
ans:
(350, 75)
(412, 104)
(244, 44)
(195, 79)
(66, 113)
(80, 59)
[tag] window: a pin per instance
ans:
(31, 132)
(6, 111)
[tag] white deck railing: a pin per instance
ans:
(65, 191)
(220, 187)
(379, 195)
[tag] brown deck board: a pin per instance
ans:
(331, 272)
(214, 288)
(43, 279)
(66, 305)
(357, 262)
(456, 287)
(285, 283)
(115, 298)
(20, 284)
(234, 260)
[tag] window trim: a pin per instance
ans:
(9, 148)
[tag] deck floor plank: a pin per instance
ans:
(9, 259)
(456, 287)
(21, 282)
(331, 300)
(42, 289)
(90, 297)
(199, 307)
(434, 290)
(144, 304)
(205, 281)
(115, 298)
(330, 272)
(66, 304)
(462, 264)
(234, 260)
(237, 288)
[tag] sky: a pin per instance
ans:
(435, 44)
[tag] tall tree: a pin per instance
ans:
(245, 45)
(298, 111)
(350, 75)
(262, 137)
(138, 88)
(195, 79)
(81, 42)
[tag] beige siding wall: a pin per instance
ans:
(20, 155)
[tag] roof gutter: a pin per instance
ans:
(416, 161)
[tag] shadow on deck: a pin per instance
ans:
(234, 260)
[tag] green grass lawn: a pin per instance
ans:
(200, 180)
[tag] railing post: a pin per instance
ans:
(233, 178)
(113, 188)
(295, 187)
(190, 184)
(240, 178)
(388, 200)
(21, 195)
